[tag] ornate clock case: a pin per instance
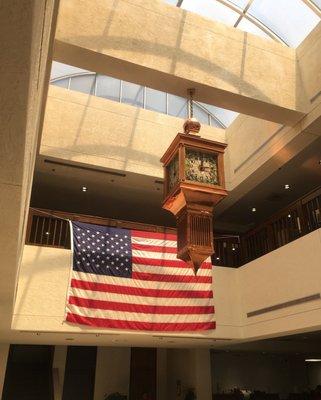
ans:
(194, 184)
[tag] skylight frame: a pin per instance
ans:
(243, 14)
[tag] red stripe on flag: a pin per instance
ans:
(166, 263)
(158, 249)
(145, 276)
(139, 308)
(104, 287)
(154, 235)
(139, 325)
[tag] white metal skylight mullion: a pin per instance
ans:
(221, 123)
(254, 21)
(317, 3)
(314, 7)
(250, 18)
(243, 13)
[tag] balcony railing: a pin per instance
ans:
(51, 228)
(298, 219)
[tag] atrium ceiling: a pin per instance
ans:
(286, 21)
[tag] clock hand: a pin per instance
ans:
(202, 168)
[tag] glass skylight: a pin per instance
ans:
(286, 21)
(240, 3)
(248, 26)
(211, 9)
(291, 20)
(80, 80)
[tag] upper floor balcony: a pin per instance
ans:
(50, 228)
(289, 272)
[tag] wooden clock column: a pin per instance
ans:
(194, 184)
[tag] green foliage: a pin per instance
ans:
(115, 396)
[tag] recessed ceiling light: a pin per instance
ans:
(289, 215)
(84, 189)
(253, 209)
(286, 186)
(233, 248)
(47, 233)
(217, 258)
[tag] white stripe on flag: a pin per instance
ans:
(154, 242)
(153, 269)
(132, 316)
(142, 300)
(142, 284)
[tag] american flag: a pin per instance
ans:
(130, 279)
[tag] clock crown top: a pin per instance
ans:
(191, 125)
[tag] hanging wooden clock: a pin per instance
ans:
(194, 184)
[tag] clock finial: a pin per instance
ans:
(191, 125)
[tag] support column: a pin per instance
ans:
(4, 350)
(161, 370)
(203, 381)
(189, 369)
(58, 369)
(112, 371)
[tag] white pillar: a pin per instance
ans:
(161, 384)
(112, 371)
(58, 369)
(4, 350)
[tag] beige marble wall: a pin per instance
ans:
(288, 273)
(309, 60)
(26, 31)
(104, 133)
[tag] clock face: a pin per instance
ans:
(172, 173)
(201, 167)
